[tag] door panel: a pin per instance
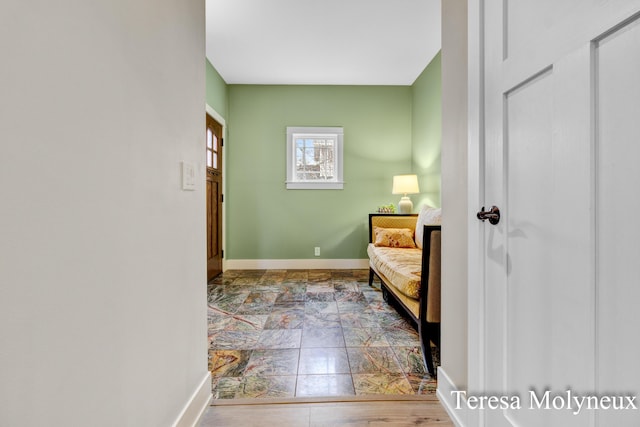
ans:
(529, 184)
(524, 20)
(212, 218)
(618, 175)
(560, 113)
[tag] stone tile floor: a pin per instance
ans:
(309, 333)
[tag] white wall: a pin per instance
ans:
(102, 256)
(454, 191)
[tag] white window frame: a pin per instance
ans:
(293, 183)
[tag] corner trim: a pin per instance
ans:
(217, 116)
(295, 264)
(196, 405)
(444, 393)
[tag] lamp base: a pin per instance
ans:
(405, 206)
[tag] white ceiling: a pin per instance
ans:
(340, 42)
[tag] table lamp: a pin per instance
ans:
(405, 184)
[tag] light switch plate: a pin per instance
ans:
(188, 176)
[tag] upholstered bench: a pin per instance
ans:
(404, 253)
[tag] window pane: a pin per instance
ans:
(309, 156)
(209, 138)
(215, 143)
(299, 155)
(209, 158)
(215, 160)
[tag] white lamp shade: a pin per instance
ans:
(405, 184)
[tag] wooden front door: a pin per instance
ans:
(214, 198)
(560, 97)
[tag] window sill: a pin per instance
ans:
(315, 185)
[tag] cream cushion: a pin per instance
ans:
(427, 216)
(402, 266)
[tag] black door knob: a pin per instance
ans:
(493, 215)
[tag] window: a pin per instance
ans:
(314, 158)
(212, 149)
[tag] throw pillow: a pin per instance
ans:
(427, 216)
(394, 237)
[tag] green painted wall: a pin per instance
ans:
(217, 91)
(388, 130)
(266, 221)
(426, 129)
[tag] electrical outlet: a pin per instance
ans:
(317, 251)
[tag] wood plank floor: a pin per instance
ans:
(344, 414)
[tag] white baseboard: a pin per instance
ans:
(295, 264)
(448, 399)
(196, 405)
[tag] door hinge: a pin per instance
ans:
(222, 142)
(222, 198)
(222, 253)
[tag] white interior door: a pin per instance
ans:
(559, 91)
